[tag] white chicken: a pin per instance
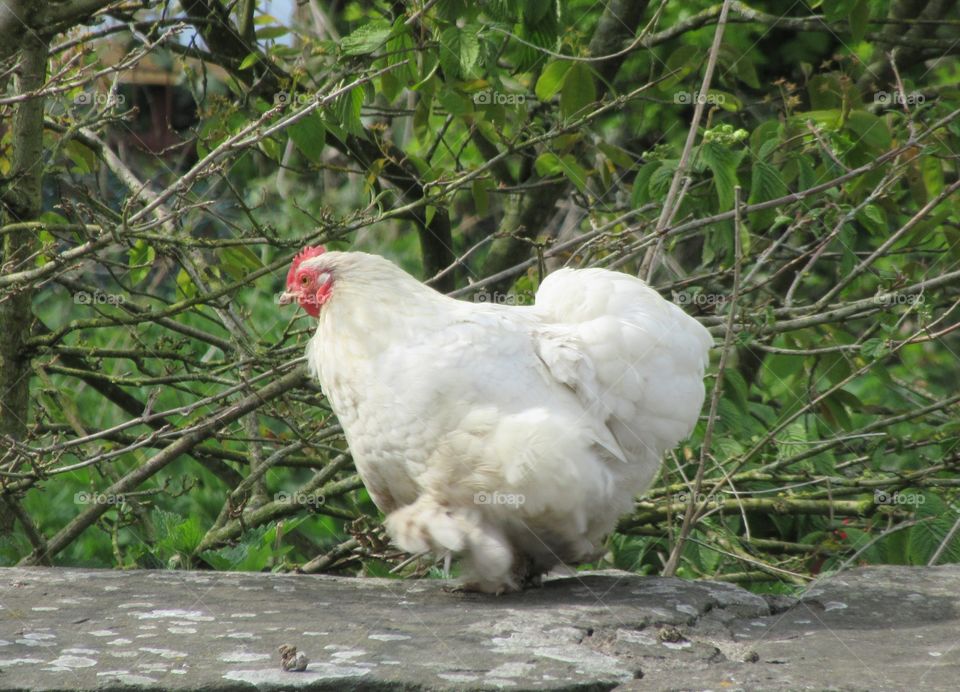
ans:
(513, 436)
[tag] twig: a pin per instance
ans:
(674, 198)
(691, 510)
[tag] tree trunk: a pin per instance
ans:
(21, 202)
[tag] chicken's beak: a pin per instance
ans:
(287, 297)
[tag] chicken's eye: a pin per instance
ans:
(304, 279)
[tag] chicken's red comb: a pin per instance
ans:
(305, 254)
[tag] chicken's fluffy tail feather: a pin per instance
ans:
(632, 356)
(427, 525)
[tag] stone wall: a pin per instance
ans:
(879, 628)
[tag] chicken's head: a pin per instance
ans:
(308, 285)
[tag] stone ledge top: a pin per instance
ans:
(876, 628)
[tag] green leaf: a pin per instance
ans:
(709, 558)
(271, 32)
(141, 261)
(722, 162)
(727, 447)
(400, 47)
(875, 348)
(938, 518)
(83, 158)
(270, 148)
(176, 533)
(238, 261)
(574, 172)
(535, 10)
(427, 84)
(255, 552)
(547, 164)
(47, 241)
(870, 130)
(309, 134)
(859, 19)
(830, 118)
(766, 183)
(481, 196)
(366, 38)
(735, 388)
(52, 217)
(725, 100)
(833, 412)
(791, 441)
(620, 157)
(421, 114)
(779, 373)
(454, 103)
(873, 219)
(551, 79)
(832, 90)
(390, 86)
(746, 71)
(767, 415)
(248, 61)
(806, 175)
(452, 10)
(641, 183)
(469, 49)
(766, 132)
(837, 10)
(543, 35)
(932, 171)
(185, 286)
(347, 108)
(459, 51)
(428, 172)
(578, 91)
(661, 178)
(680, 63)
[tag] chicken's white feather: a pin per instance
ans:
(515, 436)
